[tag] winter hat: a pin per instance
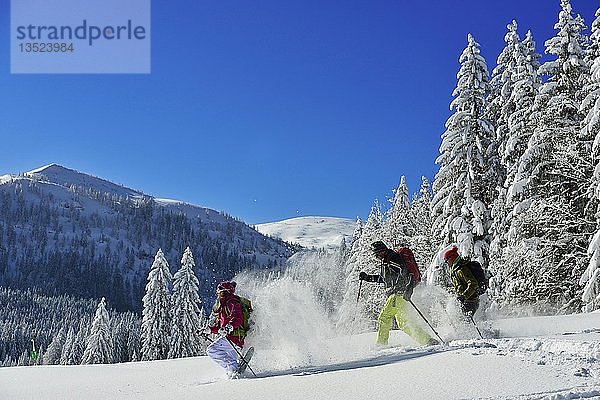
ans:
(451, 254)
(226, 287)
(378, 246)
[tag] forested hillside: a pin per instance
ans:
(63, 238)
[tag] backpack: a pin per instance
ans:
(246, 311)
(410, 263)
(479, 275)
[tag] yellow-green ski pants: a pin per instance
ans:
(395, 306)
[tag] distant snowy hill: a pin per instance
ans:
(66, 177)
(68, 232)
(534, 358)
(311, 232)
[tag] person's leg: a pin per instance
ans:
(469, 308)
(385, 320)
(409, 327)
(223, 353)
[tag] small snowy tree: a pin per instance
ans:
(358, 228)
(80, 341)
(98, 349)
(342, 254)
(66, 355)
(359, 317)
(423, 243)
(54, 350)
(186, 316)
(398, 229)
(156, 323)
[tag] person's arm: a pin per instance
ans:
(363, 276)
(470, 283)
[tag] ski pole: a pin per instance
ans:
(236, 350)
(359, 288)
(425, 319)
(241, 356)
(476, 327)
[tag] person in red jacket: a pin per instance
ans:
(226, 319)
(464, 283)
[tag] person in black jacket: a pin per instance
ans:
(399, 286)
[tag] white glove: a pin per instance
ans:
(226, 330)
(206, 330)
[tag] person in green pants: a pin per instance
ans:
(398, 287)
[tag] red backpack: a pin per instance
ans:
(410, 263)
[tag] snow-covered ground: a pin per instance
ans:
(534, 358)
(311, 232)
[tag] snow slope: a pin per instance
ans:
(300, 354)
(548, 364)
(311, 232)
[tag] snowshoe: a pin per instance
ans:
(244, 362)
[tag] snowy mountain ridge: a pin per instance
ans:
(311, 231)
(71, 179)
(67, 177)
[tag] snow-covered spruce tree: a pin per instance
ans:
(590, 280)
(422, 244)
(397, 227)
(80, 340)
(342, 254)
(98, 349)
(358, 228)
(549, 222)
(359, 317)
(133, 339)
(526, 85)
(463, 187)
(156, 321)
(500, 108)
(54, 350)
(119, 342)
(126, 336)
(186, 317)
(500, 102)
(67, 352)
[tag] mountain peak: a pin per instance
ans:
(50, 168)
(63, 176)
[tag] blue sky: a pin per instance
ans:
(266, 110)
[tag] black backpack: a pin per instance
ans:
(479, 274)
